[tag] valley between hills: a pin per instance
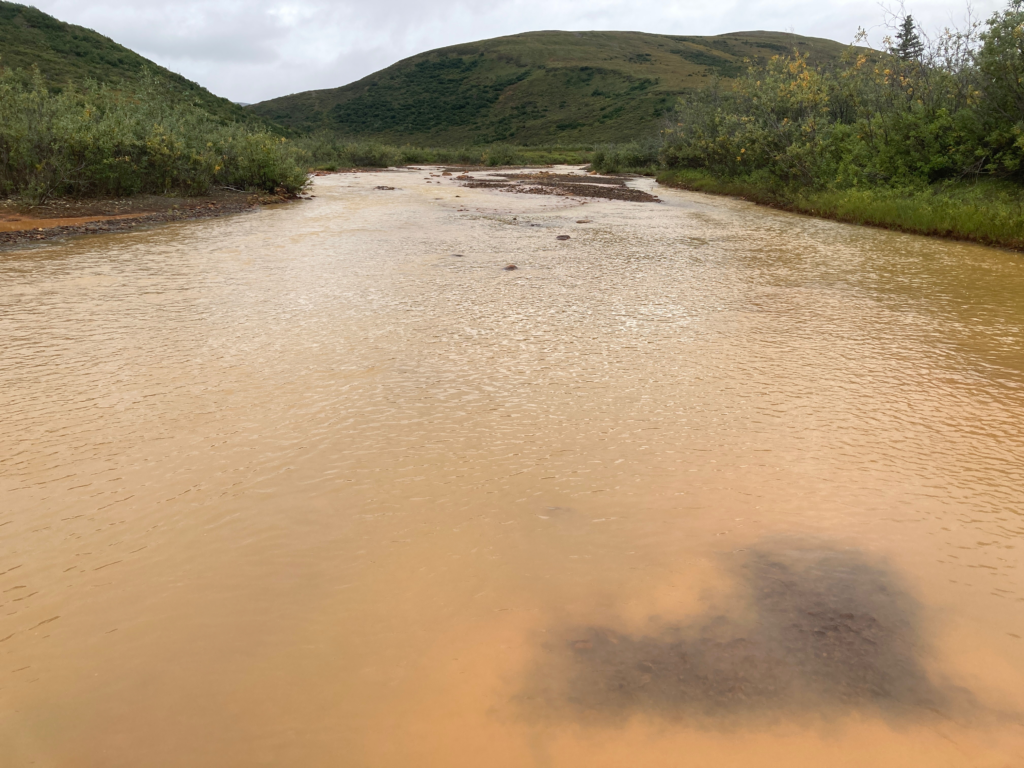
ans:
(921, 137)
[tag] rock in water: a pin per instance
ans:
(562, 237)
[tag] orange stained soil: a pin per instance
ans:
(22, 223)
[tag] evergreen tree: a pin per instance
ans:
(908, 45)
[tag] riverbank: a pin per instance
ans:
(21, 224)
(990, 213)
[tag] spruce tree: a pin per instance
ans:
(908, 45)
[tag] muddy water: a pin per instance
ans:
(704, 484)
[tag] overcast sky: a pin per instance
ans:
(251, 50)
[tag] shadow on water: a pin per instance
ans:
(813, 632)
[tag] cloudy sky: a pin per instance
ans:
(251, 50)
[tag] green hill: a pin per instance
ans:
(533, 88)
(66, 54)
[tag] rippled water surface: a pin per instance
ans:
(705, 484)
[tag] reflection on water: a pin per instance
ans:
(813, 631)
(300, 487)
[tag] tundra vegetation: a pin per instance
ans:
(534, 88)
(116, 140)
(926, 135)
(100, 140)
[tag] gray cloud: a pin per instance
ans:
(255, 50)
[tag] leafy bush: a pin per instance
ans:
(503, 154)
(634, 157)
(455, 156)
(100, 141)
(915, 114)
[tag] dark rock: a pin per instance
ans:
(384, 188)
(562, 237)
(510, 267)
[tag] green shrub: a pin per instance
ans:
(902, 117)
(100, 141)
(922, 137)
(633, 157)
(503, 154)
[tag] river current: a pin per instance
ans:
(327, 485)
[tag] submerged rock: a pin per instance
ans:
(812, 631)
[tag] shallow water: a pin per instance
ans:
(705, 481)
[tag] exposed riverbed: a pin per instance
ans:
(328, 485)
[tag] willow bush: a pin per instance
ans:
(918, 113)
(98, 140)
(631, 157)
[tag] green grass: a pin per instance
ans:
(986, 211)
(66, 54)
(533, 89)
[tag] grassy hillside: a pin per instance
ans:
(69, 54)
(533, 88)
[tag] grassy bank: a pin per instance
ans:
(985, 211)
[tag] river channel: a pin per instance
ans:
(325, 484)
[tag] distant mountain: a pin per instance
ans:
(536, 87)
(66, 53)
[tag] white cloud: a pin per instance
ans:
(255, 50)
